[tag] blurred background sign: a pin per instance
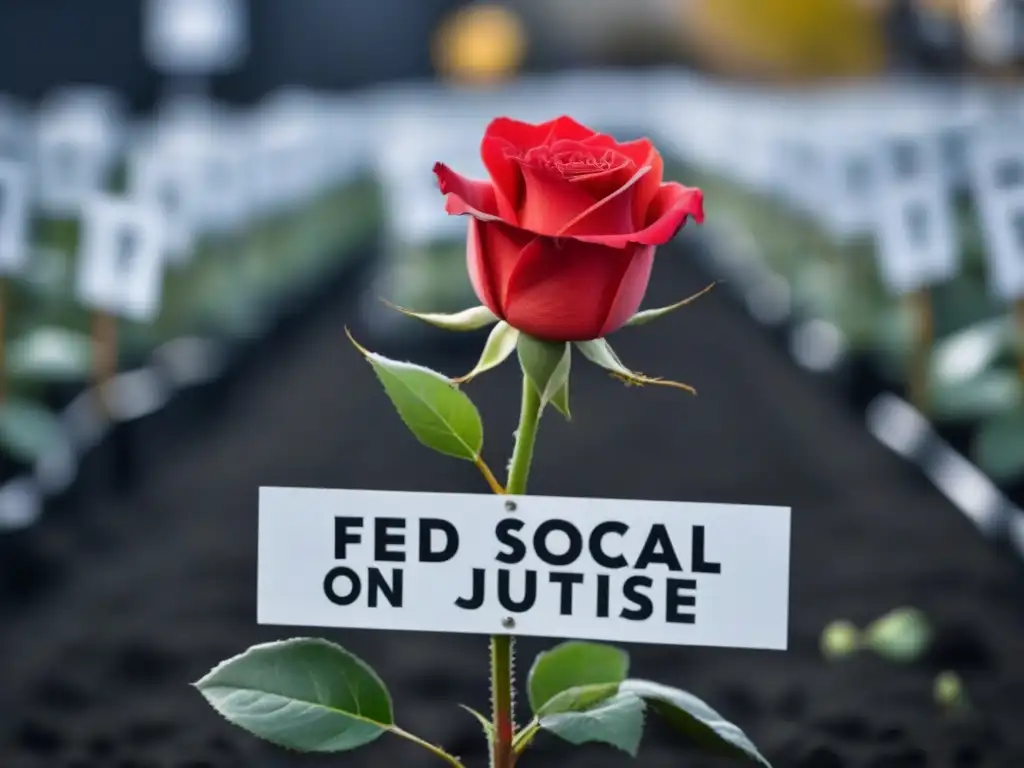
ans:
(190, 37)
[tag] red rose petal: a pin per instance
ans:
(479, 273)
(467, 196)
(632, 288)
(561, 290)
(671, 206)
(565, 127)
(643, 153)
(610, 215)
(499, 156)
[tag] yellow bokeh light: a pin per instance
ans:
(482, 43)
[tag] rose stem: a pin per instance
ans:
(502, 669)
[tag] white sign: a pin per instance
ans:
(917, 238)
(120, 263)
(598, 569)
(997, 176)
(14, 217)
(168, 182)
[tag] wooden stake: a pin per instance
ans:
(919, 303)
(104, 351)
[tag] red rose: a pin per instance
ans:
(562, 237)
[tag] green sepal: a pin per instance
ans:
(648, 315)
(561, 400)
(472, 319)
(435, 410)
(501, 343)
(546, 364)
(600, 352)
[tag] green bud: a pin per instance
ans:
(948, 690)
(839, 639)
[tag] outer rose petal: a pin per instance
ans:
(565, 290)
(672, 205)
(466, 195)
(643, 153)
(631, 290)
(499, 156)
(492, 253)
(479, 272)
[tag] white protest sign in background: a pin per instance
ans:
(996, 161)
(77, 141)
(120, 262)
(597, 569)
(917, 238)
(162, 177)
(14, 217)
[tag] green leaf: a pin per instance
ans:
(546, 364)
(687, 714)
(600, 353)
(438, 414)
(467, 320)
(902, 635)
(304, 694)
(618, 721)
(571, 665)
(500, 344)
(49, 353)
(27, 430)
(578, 699)
(999, 446)
(642, 318)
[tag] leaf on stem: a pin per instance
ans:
(687, 714)
(436, 412)
(617, 720)
(648, 315)
(304, 694)
(546, 364)
(573, 665)
(500, 344)
(467, 320)
(600, 353)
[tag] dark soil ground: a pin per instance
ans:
(112, 607)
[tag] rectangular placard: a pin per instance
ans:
(996, 157)
(917, 240)
(121, 258)
(597, 569)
